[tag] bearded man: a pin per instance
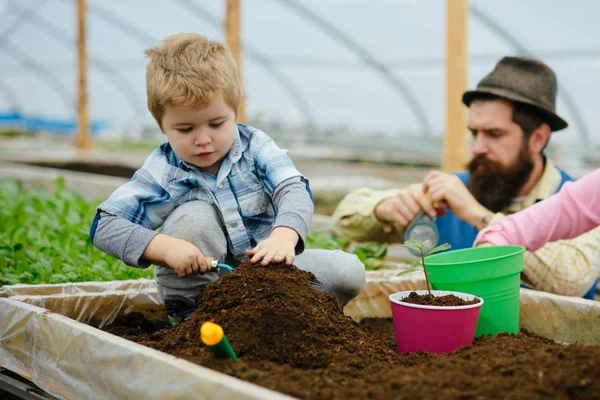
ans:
(511, 116)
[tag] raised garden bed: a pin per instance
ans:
(290, 338)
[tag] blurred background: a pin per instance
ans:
(359, 80)
(361, 92)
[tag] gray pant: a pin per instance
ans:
(342, 274)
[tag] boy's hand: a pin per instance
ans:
(181, 255)
(280, 246)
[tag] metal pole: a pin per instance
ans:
(456, 140)
(232, 33)
(83, 140)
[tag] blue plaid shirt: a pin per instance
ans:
(242, 190)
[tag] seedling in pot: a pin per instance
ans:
(418, 246)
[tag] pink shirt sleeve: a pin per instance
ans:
(565, 215)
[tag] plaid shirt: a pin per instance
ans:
(242, 190)
(567, 267)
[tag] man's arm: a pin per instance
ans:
(354, 218)
(565, 267)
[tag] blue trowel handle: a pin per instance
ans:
(213, 265)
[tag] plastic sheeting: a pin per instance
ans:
(562, 318)
(101, 309)
(41, 339)
(72, 360)
(77, 287)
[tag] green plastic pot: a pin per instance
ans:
(490, 272)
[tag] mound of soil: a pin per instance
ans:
(273, 314)
(294, 339)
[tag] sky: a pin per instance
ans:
(335, 87)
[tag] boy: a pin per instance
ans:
(218, 189)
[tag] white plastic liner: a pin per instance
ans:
(77, 287)
(100, 308)
(71, 360)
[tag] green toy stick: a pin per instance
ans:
(213, 336)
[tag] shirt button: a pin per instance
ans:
(235, 153)
(262, 207)
(234, 224)
(221, 186)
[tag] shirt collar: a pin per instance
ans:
(240, 144)
(235, 153)
(545, 187)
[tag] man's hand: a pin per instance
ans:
(448, 189)
(403, 208)
(181, 255)
(280, 246)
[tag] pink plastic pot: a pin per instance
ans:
(434, 329)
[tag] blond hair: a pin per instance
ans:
(187, 70)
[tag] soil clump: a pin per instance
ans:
(448, 300)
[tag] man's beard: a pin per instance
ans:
(496, 186)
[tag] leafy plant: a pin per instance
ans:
(370, 254)
(45, 239)
(325, 240)
(416, 245)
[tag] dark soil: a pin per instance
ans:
(449, 300)
(102, 169)
(296, 340)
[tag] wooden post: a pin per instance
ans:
(83, 140)
(456, 139)
(232, 33)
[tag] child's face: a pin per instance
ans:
(201, 136)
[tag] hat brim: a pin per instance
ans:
(556, 123)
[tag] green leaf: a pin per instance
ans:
(360, 253)
(381, 251)
(437, 249)
(324, 240)
(9, 188)
(413, 243)
(409, 271)
(369, 263)
(58, 278)
(60, 184)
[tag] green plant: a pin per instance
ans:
(370, 254)
(416, 245)
(45, 239)
(325, 240)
